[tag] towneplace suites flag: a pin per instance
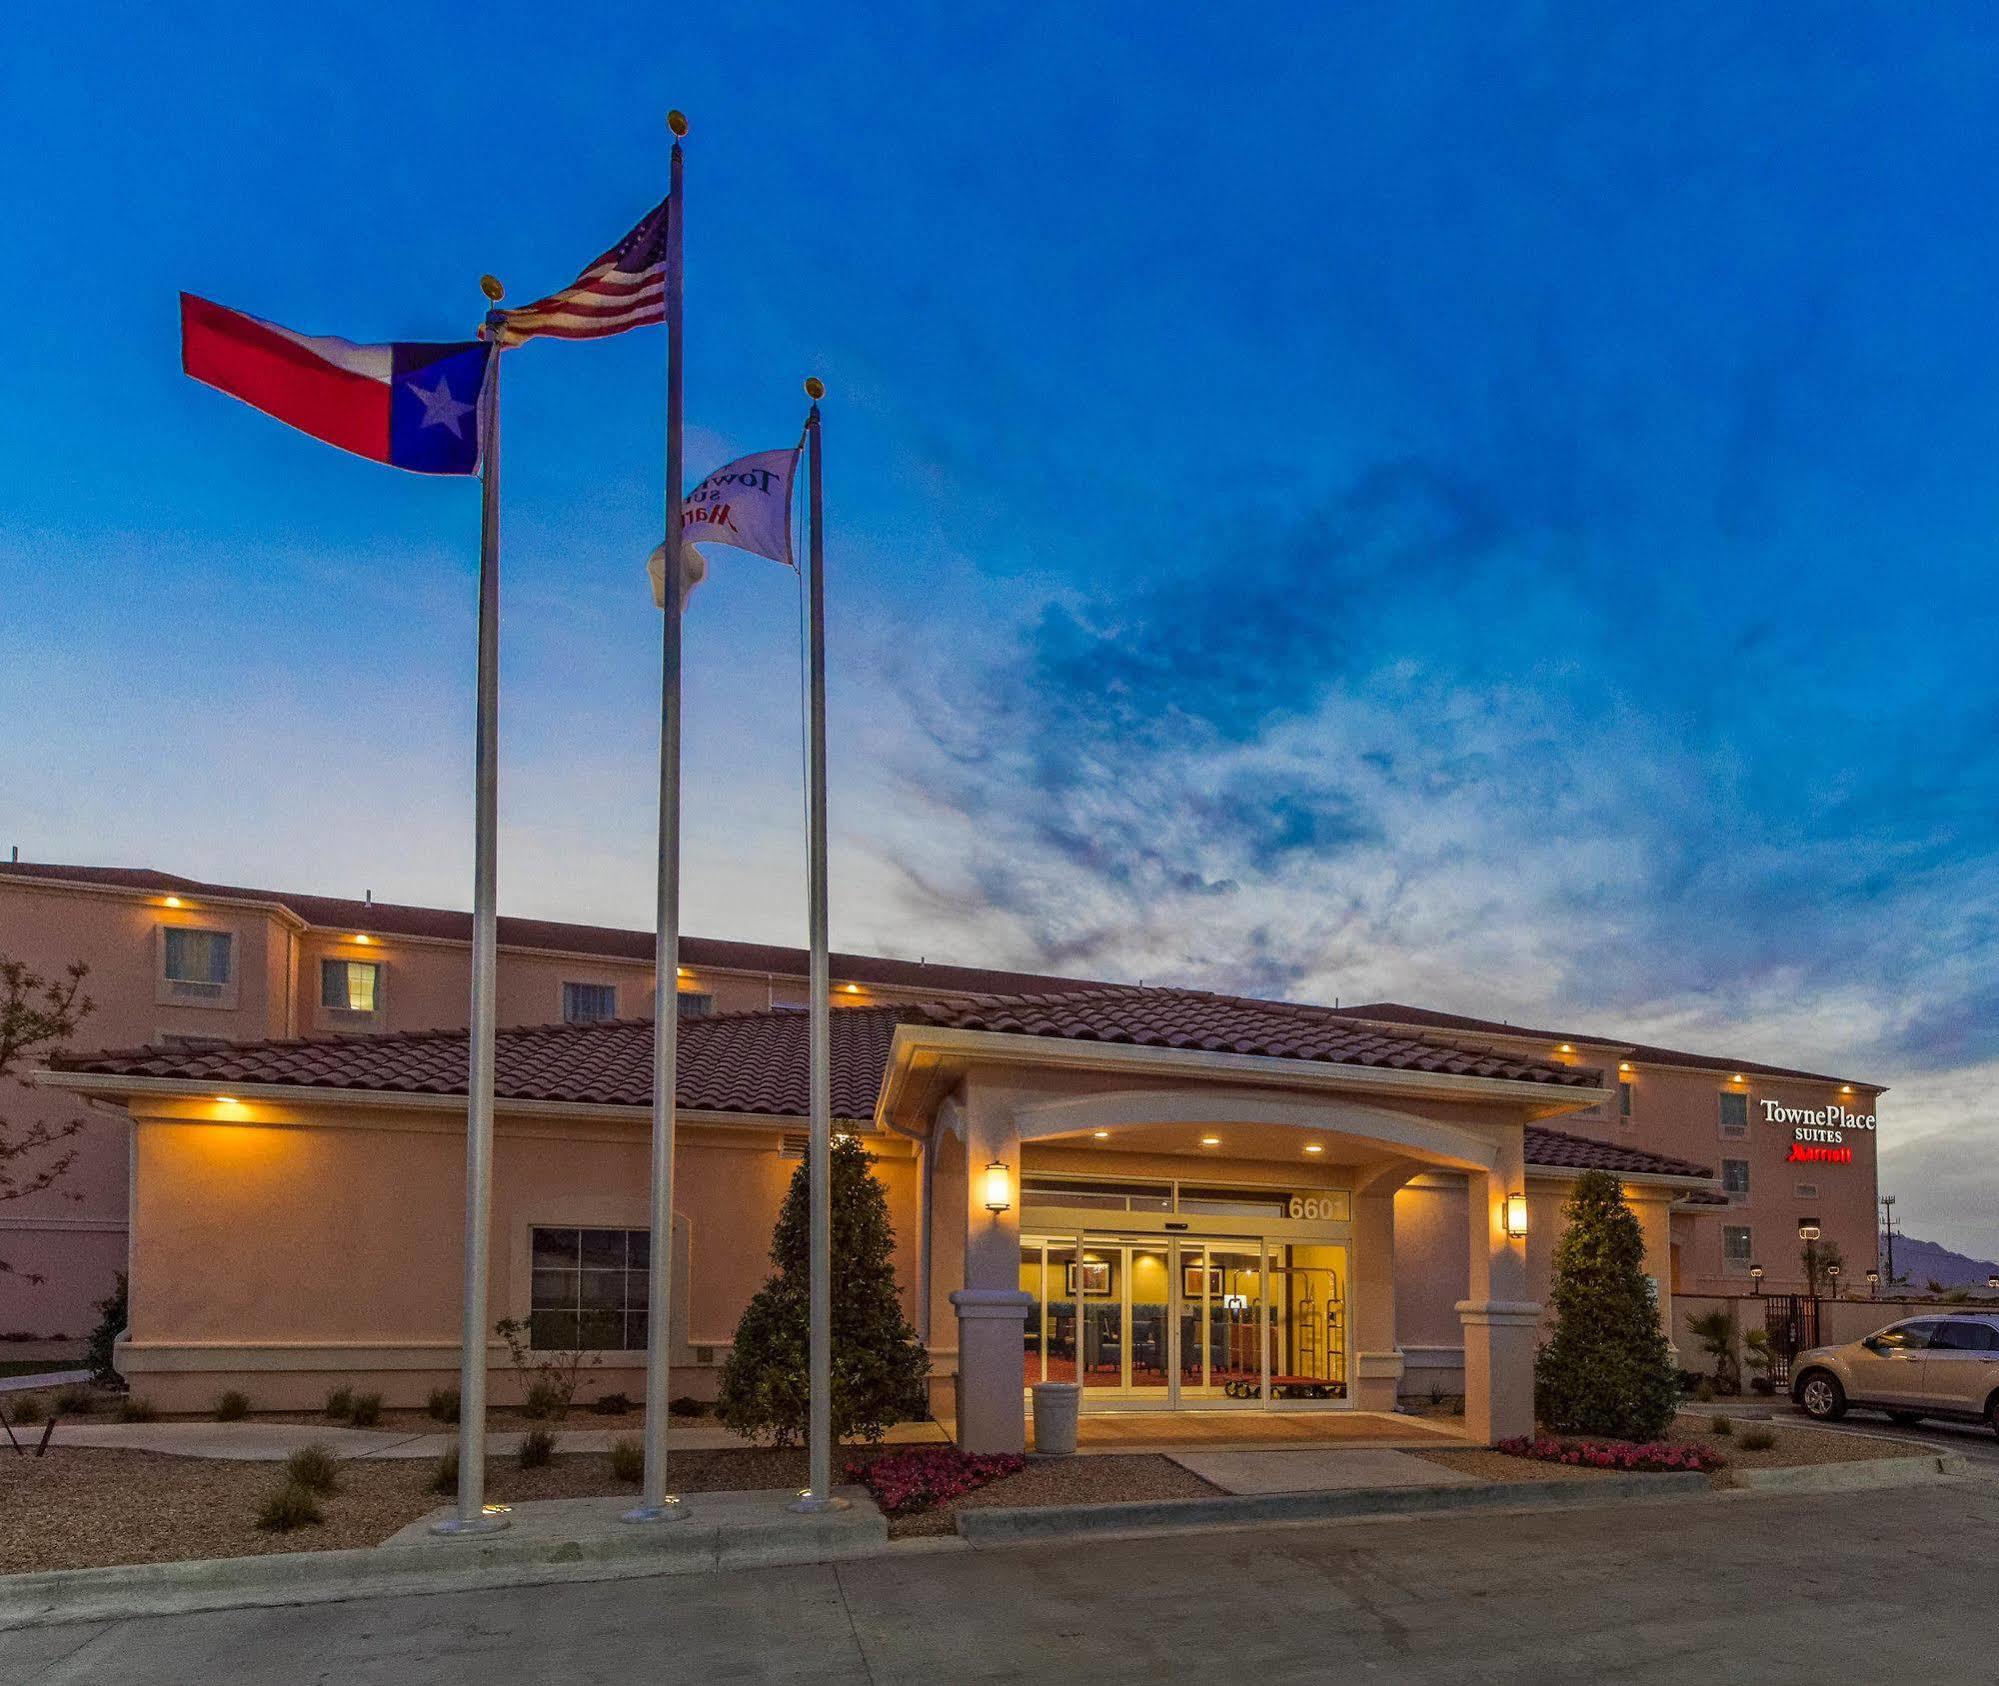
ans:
(746, 504)
(410, 404)
(624, 288)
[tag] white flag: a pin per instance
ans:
(746, 504)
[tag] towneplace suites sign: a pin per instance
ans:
(1818, 1134)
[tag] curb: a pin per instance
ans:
(1851, 1477)
(1005, 1526)
(398, 1571)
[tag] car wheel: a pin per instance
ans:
(1822, 1396)
(1992, 1413)
(1905, 1419)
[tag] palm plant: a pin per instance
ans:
(1715, 1330)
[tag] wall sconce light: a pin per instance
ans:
(1516, 1216)
(999, 1187)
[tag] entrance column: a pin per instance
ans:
(992, 1308)
(1371, 1270)
(1500, 1321)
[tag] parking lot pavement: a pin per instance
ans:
(1733, 1588)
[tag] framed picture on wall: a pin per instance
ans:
(1191, 1285)
(1096, 1277)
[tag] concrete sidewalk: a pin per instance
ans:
(255, 1442)
(42, 1378)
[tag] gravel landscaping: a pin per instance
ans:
(1115, 1478)
(1790, 1448)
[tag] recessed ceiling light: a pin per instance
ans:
(1211, 1141)
(1314, 1147)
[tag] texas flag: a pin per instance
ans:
(411, 404)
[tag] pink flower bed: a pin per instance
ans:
(915, 1480)
(1651, 1457)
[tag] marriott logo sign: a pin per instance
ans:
(1818, 1134)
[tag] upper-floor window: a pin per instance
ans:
(350, 986)
(1734, 1115)
(1624, 1101)
(696, 1003)
(197, 966)
(1735, 1178)
(1806, 1191)
(589, 1003)
(1737, 1248)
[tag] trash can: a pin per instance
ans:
(1055, 1417)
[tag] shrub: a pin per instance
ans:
(612, 1405)
(111, 1320)
(291, 1506)
(1763, 1385)
(1721, 1425)
(340, 1403)
(1606, 1368)
(232, 1407)
(315, 1469)
(1756, 1440)
(443, 1404)
(930, 1475)
(544, 1400)
(1653, 1456)
(548, 1377)
(366, 1410)
(444, 1474)
(686, 1406)
(1716, 1331)
(878, 1365)
(628, 1461)
(28, 1409)
(135, 1408)
(1704, 1392)
(537, 1447)
(75, 1401)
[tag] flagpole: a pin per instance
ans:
(656, 1504)
(819, 1358)
(472, 1516)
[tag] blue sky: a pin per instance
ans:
(1486, 505)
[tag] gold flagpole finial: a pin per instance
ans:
(490, 286)
(815, 388)
(677, 122)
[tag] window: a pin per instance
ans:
(696, 1004)
(1734, 1115)
(1243, 1202)
(349, 986)
(1624, 1101)
(1806, 1191)
(589, 1290)
(1735, 1178)
(196, 965)
(589, 1003)
(1737, 1249)
(1907, 1337)
(1038, 1193)
(1965, 1337)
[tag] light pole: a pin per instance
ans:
(1756, 1278)
(1874, 1284)
(1832, 1276)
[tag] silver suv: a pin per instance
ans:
(1942, 1366)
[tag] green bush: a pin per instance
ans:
(444, 1475)
(878, 1365)
(545, 1400)
(28, 1409)
(1756, 1440)
(111, 1320)
(612, 1405)
(1721, 1425)
(537, 1447)
(443, 1405)
(291, 1506)
(1704, 1391)
(232, 1407)
(135, 1408)
(315, 1469)
(1605, 1369)
(75, 1401)
(686, 1406)
(340, 1404)
(366, 1410)
(628, 1461)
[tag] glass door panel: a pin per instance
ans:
(1099, 1281)
(1034, 1283)
(1059, 1311)
(1148, 1320)
(1233, 1284)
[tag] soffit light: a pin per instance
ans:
(1314, 1147)
(172, 901)
(1623, 1065)
(363, 938)
(1566, 1048)
(1211, 1141)
(1101, 1135)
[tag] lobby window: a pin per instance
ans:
(1735, 1178)
(696, 1003)
(350, 986)
(1737, 1246)
(589, 1003)
(197, 966)
(1734, 1115)
(589, 1290)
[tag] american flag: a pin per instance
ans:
(625, 288)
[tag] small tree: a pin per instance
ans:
(878, 1366)
(38, 1016)
(1606, 1369)
(1817, 1258)
(1715, 1330)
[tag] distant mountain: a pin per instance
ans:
(1920, 1262)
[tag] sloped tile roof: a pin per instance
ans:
(1559, 1150)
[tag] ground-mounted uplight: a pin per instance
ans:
(999, 1187)
(1516, 1216)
